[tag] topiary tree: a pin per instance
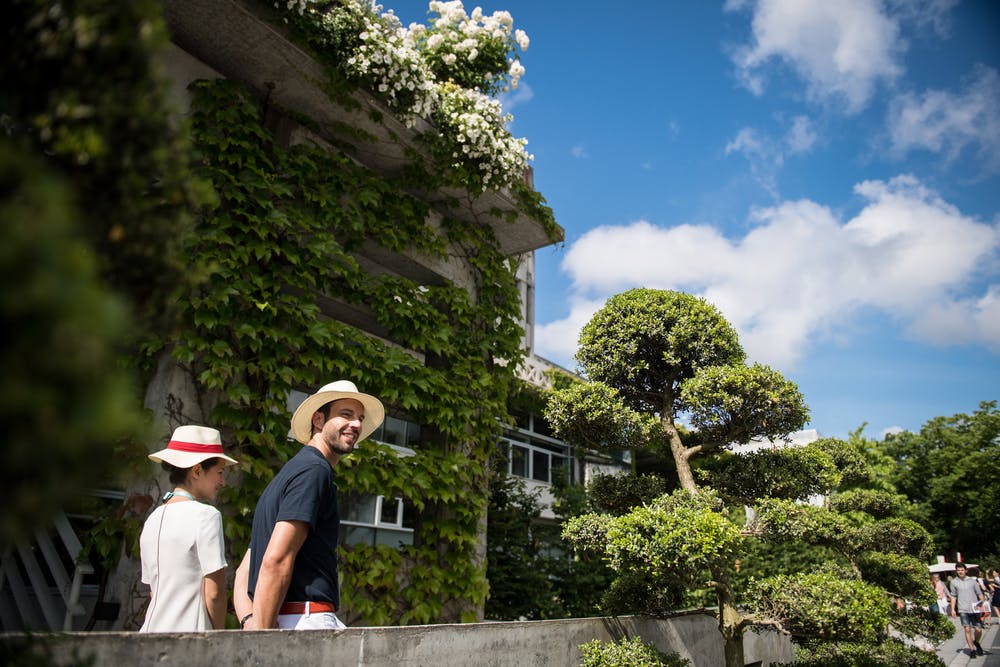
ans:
(627, 652)
(654, 357)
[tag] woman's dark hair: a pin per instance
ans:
(178, 476)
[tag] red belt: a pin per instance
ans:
(306, 607)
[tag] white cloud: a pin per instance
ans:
(948, 123)
(558, 340)
(802, 273)
(933, 13)
(801, 136)
(841, 49)
(579, 152)
(766, 156)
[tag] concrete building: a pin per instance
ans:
(43, 586)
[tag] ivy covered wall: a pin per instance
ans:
(280, 253)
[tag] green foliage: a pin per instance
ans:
(822, 604)
(792, 473)
(618, 494)
(82, 88)
(854, 466)
(531, 571)
(681, 535)
(627, 653)
(919, 621)
(519, 588)
(588, 532)
(591, 415)
(658, 596)
(901, 575)
(945, 469)
(896, 535)
(644, 343)
(735, 403)
(878, 504)
(787, 520)
(848, 654)
(64, 330)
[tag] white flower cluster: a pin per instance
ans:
(459, 35)
(480, 127)
(296, 5)
(388, 58)
(403, 66)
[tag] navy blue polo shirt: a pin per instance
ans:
(303, 490)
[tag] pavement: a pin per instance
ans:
(954, 651)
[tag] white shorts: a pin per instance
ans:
(321, 620)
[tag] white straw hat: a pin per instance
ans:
(190, 445)
(302, 419)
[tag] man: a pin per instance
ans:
(292, 579)
(965, 593)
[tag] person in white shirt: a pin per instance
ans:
(182, 547)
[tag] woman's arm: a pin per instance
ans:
(241, 581)
(214, 590)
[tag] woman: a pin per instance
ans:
(181, 546)
(994, 585)
(941, 593)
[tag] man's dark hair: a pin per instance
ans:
(178, 476)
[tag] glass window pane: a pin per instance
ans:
(560, 468)
(357, 507)
(521, 419)
(393, 538)
(409, 514)
(412, 435)
(394, 431)
(540, 466)
(542, 427)
(353, 535)
(390, 511)
(518, 461)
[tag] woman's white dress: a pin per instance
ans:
(181, 542)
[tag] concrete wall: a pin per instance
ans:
(508, 644)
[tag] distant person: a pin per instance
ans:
(994, 584)
(292, 560)
(941, 593)
(181, 546)
(965, 593)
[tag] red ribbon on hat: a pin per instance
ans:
(181, 446)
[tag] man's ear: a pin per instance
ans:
(318, 420)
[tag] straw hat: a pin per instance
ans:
(190, 445)
(302, 419)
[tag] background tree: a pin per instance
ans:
(949, 470)
(531, 572)
(96, 195)
(654, 357)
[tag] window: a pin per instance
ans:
(540, 465)
(540, 462)
(398, 432)
(368, 519)
(518, 460)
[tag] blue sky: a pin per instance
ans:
(826, 173)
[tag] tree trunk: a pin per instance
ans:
(684, 474)
(729, 621)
